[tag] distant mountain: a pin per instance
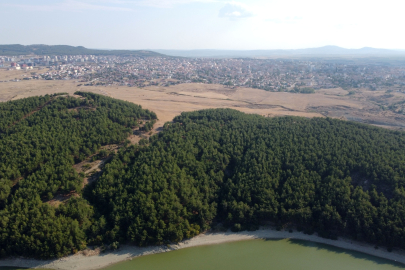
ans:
(322, 51)
(333, 50)
(40, 49)
(17, 49)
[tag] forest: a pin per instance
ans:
(333, 177)
(41, 138)
(209, 167)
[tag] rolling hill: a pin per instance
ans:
(17, 49)
(216, 166)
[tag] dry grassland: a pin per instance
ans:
(167, 102)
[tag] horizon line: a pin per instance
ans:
(211, 49)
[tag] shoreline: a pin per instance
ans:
(81, 262)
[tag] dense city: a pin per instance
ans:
(268, 74)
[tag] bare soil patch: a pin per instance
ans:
(61, 198)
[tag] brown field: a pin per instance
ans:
(363, 106)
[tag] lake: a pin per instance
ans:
(281, 254)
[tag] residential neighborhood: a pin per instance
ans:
(267, 74)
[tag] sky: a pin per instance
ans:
(204, 24)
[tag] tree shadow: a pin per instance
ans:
(338, 250)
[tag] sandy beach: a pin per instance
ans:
(81, 262)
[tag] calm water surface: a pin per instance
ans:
(260, 254)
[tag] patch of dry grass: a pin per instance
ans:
(170, 101)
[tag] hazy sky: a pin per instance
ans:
(204, 24)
